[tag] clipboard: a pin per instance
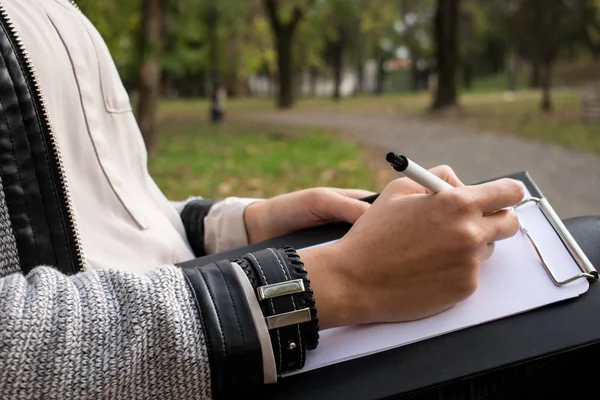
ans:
(424, 365)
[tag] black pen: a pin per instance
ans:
(414, 171)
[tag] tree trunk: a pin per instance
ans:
(298, 79)
(546, 81)
(446, 39)
(336, 59)
(468, 76)
(380, 75)
(270, 84)
(313, 74)
(593, 45)
(166, 84)
(415, 76)
(285, 94)
(512, 71)
(216, 112)
(534, 79)
(360, 67)
(201, 83)
(360, 76)
(283, 35)
(232, 85)
(150, 71)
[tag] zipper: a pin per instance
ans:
(41, 102)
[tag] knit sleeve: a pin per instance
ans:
(111, 334)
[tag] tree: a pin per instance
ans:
(379, 38)
(539, 27)
(473, 35)
(414, 29)
(119, 25)
(338, 24)
(212, 15)
(150, 70)
(283, 30)
(183, 56)
(446, 42)
(311, 46)
(590, 24)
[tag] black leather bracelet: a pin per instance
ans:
(286, 338)
(280, 305)
(311, 328)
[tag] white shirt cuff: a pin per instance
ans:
(224, 226)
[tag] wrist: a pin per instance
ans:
(254, 223)
(334, 292)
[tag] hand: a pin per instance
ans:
(303, 209)
(412, 254)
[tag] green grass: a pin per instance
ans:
(254, 160)
(521, 116)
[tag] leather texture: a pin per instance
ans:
(29, 168)
(306, 299)
(270, 267)
(233, 344)
(586, 232)
(192, 216)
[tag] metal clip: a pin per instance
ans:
(587, 269)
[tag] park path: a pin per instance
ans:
(570, 180)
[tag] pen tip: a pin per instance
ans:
(398, 162)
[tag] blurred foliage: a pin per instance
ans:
(119, 24)
(379, 30)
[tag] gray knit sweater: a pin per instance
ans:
(101, 335)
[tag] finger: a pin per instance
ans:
(500, 225)
(446, 173)
(496, 195)
(346, 209)
(353, 193)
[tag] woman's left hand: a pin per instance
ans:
(290, 212)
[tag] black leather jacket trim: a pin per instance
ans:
(233, 344)
(192, 216)
(29, 168)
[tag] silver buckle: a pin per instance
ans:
(288, 318)
(280, 289)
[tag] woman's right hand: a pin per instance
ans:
(412, 254)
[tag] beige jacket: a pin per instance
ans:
(117, 204)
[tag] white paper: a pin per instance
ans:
(512, 281)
